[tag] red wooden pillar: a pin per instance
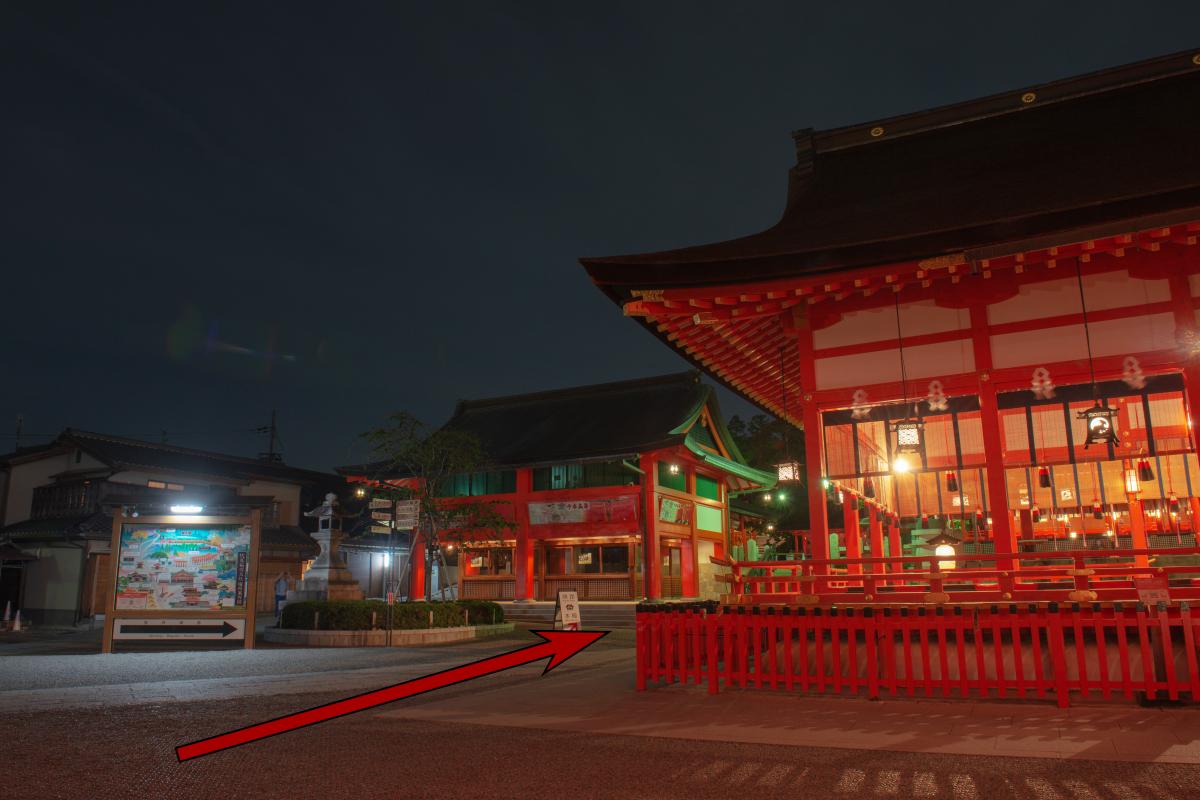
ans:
(417, 558)
(1137, 531)
(687, 568)
(1003, 533)
(852, 524)
(652, 564)
(814, 456)
(523, 562)
(895, 549)
(875, 531)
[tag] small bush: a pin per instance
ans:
(355, 615)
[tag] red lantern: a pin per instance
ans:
(951, 481)
(868, 487)
(1036, 514)
(1145, 473)
(1173, 501)
(1044, 477)
(1097, 509)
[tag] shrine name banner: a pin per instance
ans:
(617, 509)
(676, 512)
(182, 568)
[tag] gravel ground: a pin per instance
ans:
(48, 672)
(128, 752)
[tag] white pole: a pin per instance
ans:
(17, 622)
(8, 611)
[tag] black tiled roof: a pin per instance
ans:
(290, 537)
(136, 454)
(1112, 148)
(595, 422)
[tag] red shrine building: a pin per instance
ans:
(617, 491)
(983, 316)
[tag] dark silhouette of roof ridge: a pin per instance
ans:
(569, 392)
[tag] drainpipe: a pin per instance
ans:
(82, 575)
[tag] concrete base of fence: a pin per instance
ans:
(378, 638)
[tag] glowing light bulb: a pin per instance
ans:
(901, 465)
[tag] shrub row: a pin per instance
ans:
(355, 615)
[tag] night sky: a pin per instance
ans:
(343, 209)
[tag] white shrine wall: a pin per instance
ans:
(1016, 340)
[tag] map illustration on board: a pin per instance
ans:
(177, 568)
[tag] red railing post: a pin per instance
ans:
(1058, 656)
(871, 640)
(710, 622)
(1189, 642)
(642, 654)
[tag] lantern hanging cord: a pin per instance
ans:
(903, 371)
(787, 454)
(1087, 333)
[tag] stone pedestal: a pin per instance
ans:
(327, 578)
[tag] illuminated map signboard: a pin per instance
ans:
(181, 568)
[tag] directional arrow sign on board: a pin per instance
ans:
(380, 502)
(179, 629)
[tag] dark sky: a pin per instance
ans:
(342, 209)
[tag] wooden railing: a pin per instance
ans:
(1084, 576)
(488, 587)
(590, 587)
(1009, 651)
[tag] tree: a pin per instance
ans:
(766, 442)
(417, 463)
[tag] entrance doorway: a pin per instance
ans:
(672, 570)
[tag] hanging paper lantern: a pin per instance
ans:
(868, 487)
(1173, 501)
(1097, 509)
(924, 520)
(1044, 477)
(1145, 473)
(1036, 514)
(978, 517)
(951, 481)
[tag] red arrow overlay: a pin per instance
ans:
(558, 647)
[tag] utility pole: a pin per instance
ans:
(272, 436)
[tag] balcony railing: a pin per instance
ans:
(67, 499)
(1082, 576)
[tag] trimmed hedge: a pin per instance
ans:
(355, 615)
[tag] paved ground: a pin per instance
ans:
(127, 753)
(106, 727)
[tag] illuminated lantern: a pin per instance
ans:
(1100, 428)
(1173, 501)
(1097, 509)
(946, 546)
(1144, 472)
(1044, 477)
(951, 481)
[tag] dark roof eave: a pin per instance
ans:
(619, 275)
